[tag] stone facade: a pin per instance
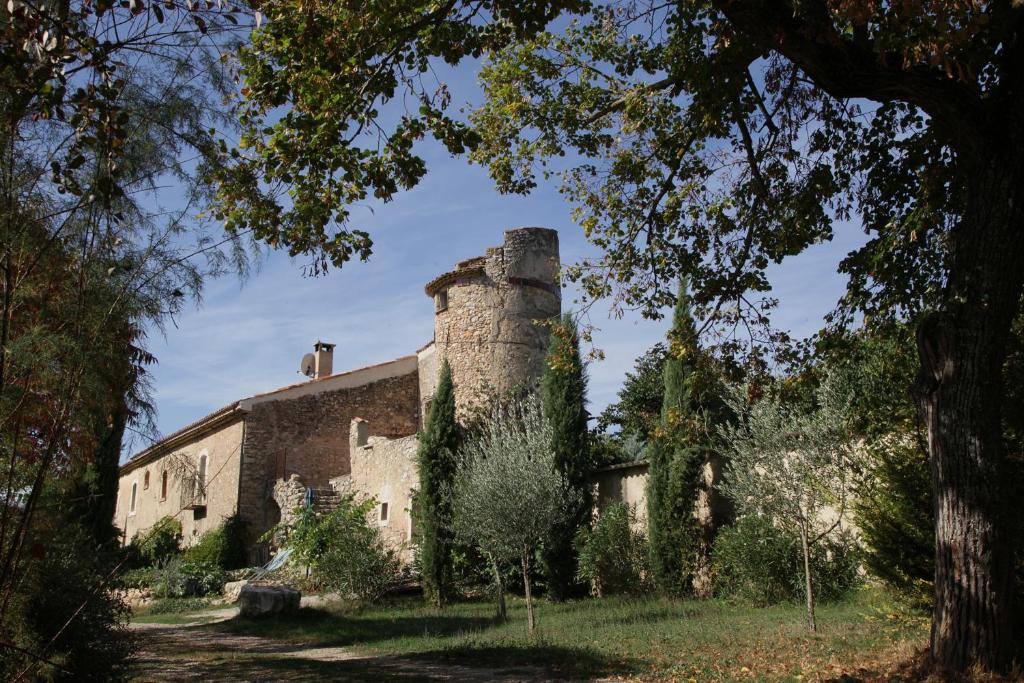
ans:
(270, 453)
(307, 435)
(430, 372)
(487, 312)
(385, 469)
(288, 494)
(220, 442)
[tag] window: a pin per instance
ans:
(145, 480)
(163, 485)
(201, 479)
(135, 490)
(383, 512)
(441, 301)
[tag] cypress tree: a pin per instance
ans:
(93, 493)
(563, 391)
(679, 542)
(93, 490)
(436, 458)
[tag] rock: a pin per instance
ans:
(232, 589)
(138, 596)
(258, 601)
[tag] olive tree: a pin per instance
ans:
(508, 492)
(791, 465)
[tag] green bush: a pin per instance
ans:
(614, 556)
(178, 605)
(346, 554)
(143, 577)
(757, 562)
(224, 546)
(65, 608)
(159, 543)
(181, 579)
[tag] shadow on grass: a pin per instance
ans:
(643, 614)
(202, 653)
(324, 627)
(477, 666)
(269, 668)
(541, 661)
(461, 660)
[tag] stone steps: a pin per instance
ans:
(325, 501)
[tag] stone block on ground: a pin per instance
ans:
(232, 589)
(261, 601)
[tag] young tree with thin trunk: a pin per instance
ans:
(790, 465)
(437, 463)
(507, 491)
(563, 389)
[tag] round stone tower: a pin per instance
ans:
(486, 314)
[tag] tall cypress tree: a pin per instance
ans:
(437, 461)
(564, 391)
(92, 492)
(679, 542)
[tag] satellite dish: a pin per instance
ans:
(307, 367)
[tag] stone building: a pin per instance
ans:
(308, 443)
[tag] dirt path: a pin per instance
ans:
(191, 652)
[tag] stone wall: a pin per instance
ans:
(289, 495)
(307, 436)
(222, 449)
(429, 367)
(486, 314)
(623, 484)
(385, 469)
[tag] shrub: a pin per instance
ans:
(346, 554)
(836, 566)
(613, 556)
(752, 561)
(224, 546)
(180, 579)
(143, 577)
(65, 609)
(178, 605)
(159, 543)
(757, 562)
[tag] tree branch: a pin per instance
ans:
(846, 68)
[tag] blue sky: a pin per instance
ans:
(246, 338)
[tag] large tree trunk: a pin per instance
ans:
(962, 349)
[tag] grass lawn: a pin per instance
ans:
(178, 611)
(644, 638)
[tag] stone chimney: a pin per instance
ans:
(323, 359)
